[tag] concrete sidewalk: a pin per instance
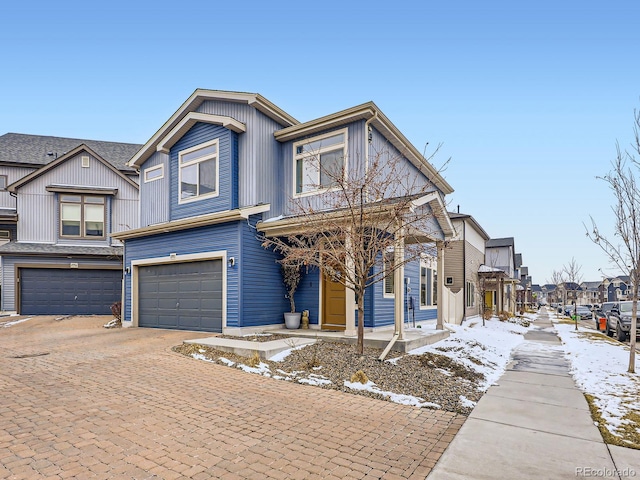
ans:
(534, 424)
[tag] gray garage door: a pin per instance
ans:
(57, 291)
(183, 296)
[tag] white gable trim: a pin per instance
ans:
(190, 120)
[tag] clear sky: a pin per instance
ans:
(528, 98)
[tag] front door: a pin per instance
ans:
(334, 300)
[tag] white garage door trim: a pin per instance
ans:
(174, 258)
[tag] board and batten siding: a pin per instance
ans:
(227, 163)
(454, 265)
(38, 209)
(9, 273)
(13, 174)
(259, 154)
(154, 195)
(382, 148)
(473, 259)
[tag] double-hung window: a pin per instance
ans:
(198, 172)
(471, 294)
(428, 282)
(319, 162)
(82, 216)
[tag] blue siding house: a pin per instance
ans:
(218, 175)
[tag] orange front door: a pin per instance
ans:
(334, 301)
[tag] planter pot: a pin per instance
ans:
(292, 320)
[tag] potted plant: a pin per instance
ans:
(291, 274)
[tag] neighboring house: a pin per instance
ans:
(67, 196)
(463, 258)
(500, 292)
(568, 293)
(590, 293)
(549, 290)
(616, 289)
(538, 296)
(219, 173)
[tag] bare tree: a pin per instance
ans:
(557, 279)
(573, 279)
(374, 216)
(624, 251)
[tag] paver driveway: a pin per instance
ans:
(80, 401)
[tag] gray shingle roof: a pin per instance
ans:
(500, 242)
(19, 148)
(48, 249)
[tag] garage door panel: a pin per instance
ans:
(184, 295)
(63, 291)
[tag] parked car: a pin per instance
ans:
(584, 312)
(602, 312)
(619, 321)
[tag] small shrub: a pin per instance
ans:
(503, 316)
(254, 361)
(488, 313)
(116, 311)
(360, 377)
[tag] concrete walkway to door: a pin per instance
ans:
(80, 401)
(534, 424)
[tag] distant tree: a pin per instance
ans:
(623, 249)
(573, 279)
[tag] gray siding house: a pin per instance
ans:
(64, 200)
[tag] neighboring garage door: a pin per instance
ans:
(58, 291)
(183, 296)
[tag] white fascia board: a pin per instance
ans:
(191, 105)
(190, 120)
(193, 222)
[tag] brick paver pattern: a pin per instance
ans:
(81, 401)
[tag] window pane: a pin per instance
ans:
(71, 198)
(429, 287)
(189, 182)
(330, 167)
(70, 216)
(202, 152)
(389, 279)
(324, 143)
(207, 183)
(70, 212)
(306, 175)
(153, 173)
(423, 286)
(94, 200)
(94, 220)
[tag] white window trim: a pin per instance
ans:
(153, 169)
(307, 141)
(431, 263)
(390, 250)
(196, 161)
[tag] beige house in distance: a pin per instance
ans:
(463, 257)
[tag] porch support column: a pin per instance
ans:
(398, 282)
(350, 295)
(440, 286)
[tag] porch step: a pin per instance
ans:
(413, 338)
(246, 348)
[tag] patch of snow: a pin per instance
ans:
(315, 380)
(15, 322)
(465, 402)
(489, 346)
(394, 397)
(226, 361)
(262, 369)
(199, 356)
(599, 368)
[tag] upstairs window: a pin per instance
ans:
(82, 216)
(319, 161)
(3, 182)
(198, 172)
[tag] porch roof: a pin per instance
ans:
(282, 226)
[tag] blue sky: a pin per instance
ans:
(528, 98)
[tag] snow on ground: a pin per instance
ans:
(484, 349)
(599, 366)
(15, 322)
